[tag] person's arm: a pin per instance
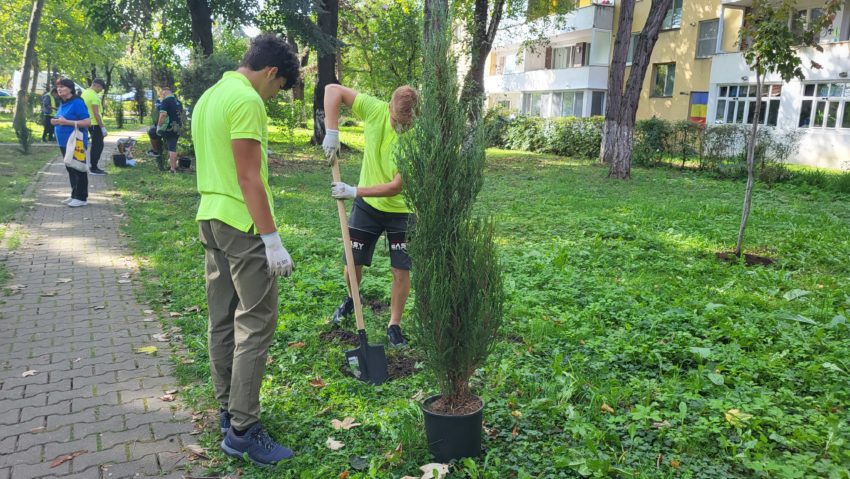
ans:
(248, 156)
(344, 191)
(96, 110)
(84, 123)
(161, 119)
(335, 96)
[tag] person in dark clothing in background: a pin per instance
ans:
(49, 104)
(156, 141)
(169, 124)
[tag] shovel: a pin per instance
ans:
(367, 363)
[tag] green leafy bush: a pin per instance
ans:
(287, 114)
(203, 73)
(573, 136)
(525, 133)
(650, 141)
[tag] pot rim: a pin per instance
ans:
(433, 398)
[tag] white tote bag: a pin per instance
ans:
(75, 151)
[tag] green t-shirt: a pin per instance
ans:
(379, 166)
(229, 110)
(92, 98)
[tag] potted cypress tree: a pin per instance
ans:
(459, 294)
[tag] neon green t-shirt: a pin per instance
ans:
(379, 165)
(229, 110)
(91, 98)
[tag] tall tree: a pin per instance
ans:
(327, 19)
(483, 28)
(622, 104)
(201, 15)
(20, 121)
(773, 46)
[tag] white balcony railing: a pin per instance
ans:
(583, 78)
(586, 18)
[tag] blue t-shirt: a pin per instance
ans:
(74, 110)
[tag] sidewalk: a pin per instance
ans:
(71, 380)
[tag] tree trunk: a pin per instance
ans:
(35, 68)
(622, 104)
(483, 35)
(21, 105)
(328, 23)
(433, 11)
(751, 157)
(202, 37)
(48, 79)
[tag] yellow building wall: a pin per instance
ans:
(679, 46)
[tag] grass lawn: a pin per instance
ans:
(7, 132)
(17, 171)
(628, 350)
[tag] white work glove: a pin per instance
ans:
(342, 191)
(331, 145)
(159, 130)
(280, 263)
(103, 130)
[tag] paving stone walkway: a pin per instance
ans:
(71, 380)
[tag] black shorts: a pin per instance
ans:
(170, 139)
(365, 227)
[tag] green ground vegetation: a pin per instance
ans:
(17, 171)
(628, 349)
(7, 132)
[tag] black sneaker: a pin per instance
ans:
(97, 172)
(223, 420)
(344, 310)
(395, 337)
(255, 445)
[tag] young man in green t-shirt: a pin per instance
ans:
(97, 131)
(243, 250)
(378, 205)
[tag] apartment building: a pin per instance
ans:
(817, 107)
(567, 77)
(697, 72)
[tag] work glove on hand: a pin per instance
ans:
(159, 130)
(103, 130)
(331, 145)
(280, 263)
(342, 191)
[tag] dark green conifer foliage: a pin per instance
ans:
(456, 274)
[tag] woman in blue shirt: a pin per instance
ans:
(72, 113)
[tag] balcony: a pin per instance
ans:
(581, 19)
(834, 59)
(592, 77)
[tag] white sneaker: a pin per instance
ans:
(76, 203)
(67, 200)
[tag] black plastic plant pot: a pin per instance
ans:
(185, 162)
(452, 437)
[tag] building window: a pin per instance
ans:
(597, 103)
(803, 19)
(674, 16)
(825, 105)
(664, 75)
(737, 104)
(707, 38)
(632, 44)
(561, 57)
(531, 104)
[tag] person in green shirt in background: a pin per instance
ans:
(378, 206)
(243, 250)
(97, 131)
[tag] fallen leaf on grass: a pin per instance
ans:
(516, 414)
(29, 373)
(196, 452)
(193, 309)
(167, 397)
(737, 418)
(675, 464)
(317, 382)
(161, 337)
(515, 431)
(420, 395)
(172, 391)
(175, 329)
(147, 349)
(64, 280)
(435, 467)
(661, 425)
(346, 423)
(65, 458)
(297, 344)
(606, 408)
(395, 453)
(269, 360)
(187, 361)
(343, 475)
(148, 311)
(174, 314)
(37, 430)
(333, 444)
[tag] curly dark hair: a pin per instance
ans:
(269, 50)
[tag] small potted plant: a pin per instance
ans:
(459, 294)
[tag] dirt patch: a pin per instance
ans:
(401, 363)
(340, 335)
(376, 306)
(749, 259)
(460, 408)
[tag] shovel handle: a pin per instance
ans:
(349, 254)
